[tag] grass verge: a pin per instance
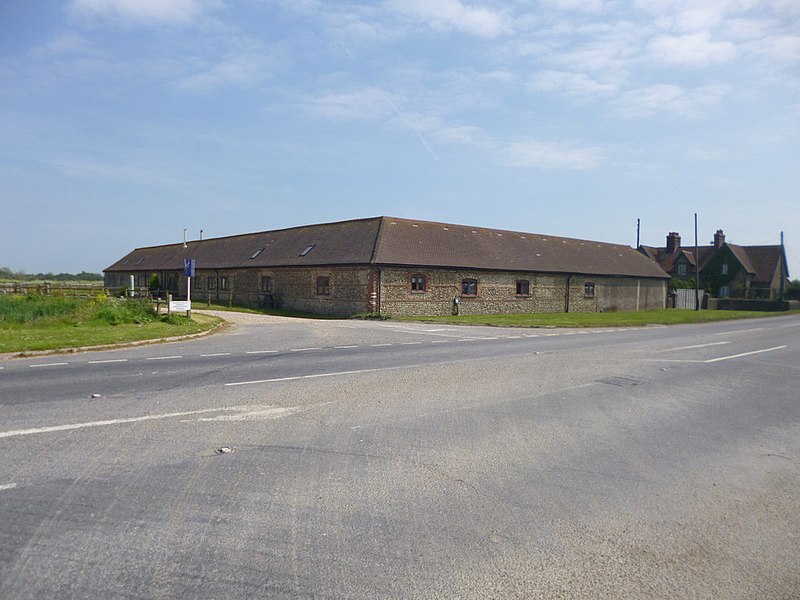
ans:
(61, 336)
(615, 319)
(40, 323)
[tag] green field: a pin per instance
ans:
(35, 323)
(612, 319)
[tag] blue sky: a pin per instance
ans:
(122, 122)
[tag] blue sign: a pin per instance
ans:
(188, 267)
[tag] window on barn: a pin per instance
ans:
(198, 282)
(308, 249)
(523, 287)
(469, 287)
(724, 268)
(323, 285)
(588, 289)
(682, 270)
(266, 283)
(211, 282)
(418, 283)
(223, 283)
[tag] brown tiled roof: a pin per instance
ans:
(392, 241)
(764, 261)
(422, 243)
(347, 242)
(741, 254)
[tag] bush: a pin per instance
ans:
(116, 311)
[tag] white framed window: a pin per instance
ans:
(682, 270)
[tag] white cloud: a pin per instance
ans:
(570, 84)
(694, 49)
(161, 11)
(454, 14)
(233, 70)
(367, 103)
(554, 155)
(465, 135)
(666, 98)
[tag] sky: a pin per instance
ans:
(125, 122)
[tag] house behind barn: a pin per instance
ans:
(392, 266)
(726, 270)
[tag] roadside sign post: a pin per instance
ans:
(188, 270)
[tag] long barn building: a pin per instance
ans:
(394, 266)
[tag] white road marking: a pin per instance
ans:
(380, 345)
(163, 357)
(739, 331)
(551, 334)
(7, 486)
(71, 426)
(104, 362)
(303, 349)
(216, 354)
(260, 413)
(410, 343)
(440, 342)
(695, 346)
(344, 347)
(318, 375)
(261, 352)
(59, 364)
(713, 360)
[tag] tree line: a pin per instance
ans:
(8, 274)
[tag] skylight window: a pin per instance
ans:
(308, 249)
(256, 253)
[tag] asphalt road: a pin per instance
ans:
(341, 459)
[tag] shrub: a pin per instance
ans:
(116, 311)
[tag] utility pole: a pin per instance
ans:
(638, 225)
(783, 267)
(696, 268)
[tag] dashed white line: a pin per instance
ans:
(261, 352)
(440, 341)
(739, 331)
(104, 362)
(58, 364)
(317, 376)
(163, 357)
(695, 346)
(379, 345)
(410, 343)
(303, 349)
(7, 486)
(344, 347)
(215, 354)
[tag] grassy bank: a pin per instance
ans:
(34, 323)
(614, 319)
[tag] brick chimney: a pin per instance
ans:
(719, 238)
(673, 242)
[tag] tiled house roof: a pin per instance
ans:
(393, 241)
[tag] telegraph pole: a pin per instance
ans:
(696, 268)
(783, 267)
(638, 225)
